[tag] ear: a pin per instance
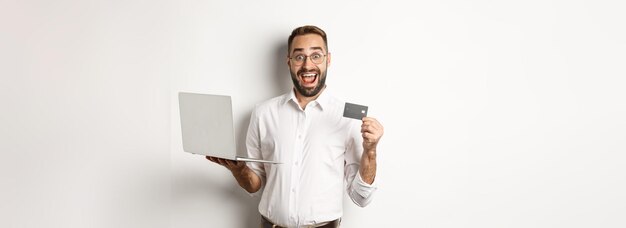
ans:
(328, 59)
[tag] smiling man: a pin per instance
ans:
(320, 150)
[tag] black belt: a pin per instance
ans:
(332, 224)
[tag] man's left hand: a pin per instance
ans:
(372, 131)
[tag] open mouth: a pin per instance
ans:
(309, 79)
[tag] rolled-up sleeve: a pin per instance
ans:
(253, 148)
(360, 192)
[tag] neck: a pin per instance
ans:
(303, 101)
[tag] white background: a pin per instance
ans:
(496, 113)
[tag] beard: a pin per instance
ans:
(309, 92)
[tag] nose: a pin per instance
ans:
(308, 63)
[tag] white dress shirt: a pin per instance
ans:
(320, 151)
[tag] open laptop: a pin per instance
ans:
(207, 126)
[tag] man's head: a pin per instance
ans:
(308, 59)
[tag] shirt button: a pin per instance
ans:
(296, 163)
(293, 190)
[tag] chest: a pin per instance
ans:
(297, 135)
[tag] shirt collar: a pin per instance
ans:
(322, 101)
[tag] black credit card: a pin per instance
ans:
(354, 111)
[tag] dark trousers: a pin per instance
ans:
(266, 223)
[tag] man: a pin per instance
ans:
(320, 150)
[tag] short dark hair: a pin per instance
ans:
(307, 29)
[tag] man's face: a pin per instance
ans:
(308, 77)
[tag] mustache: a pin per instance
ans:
(302, 71)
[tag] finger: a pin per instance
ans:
(370, 129)
(372, 121)
(212, 159)
(221, 161)
(240, 164)
(231, 163)
(365, 126)
(227, 163)
(367, 118)
(376, 125)
(369, 137)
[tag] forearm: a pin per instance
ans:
(247, 179)
(368, 166)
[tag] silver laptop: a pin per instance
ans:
(207, 126)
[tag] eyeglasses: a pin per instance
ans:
(316, 58)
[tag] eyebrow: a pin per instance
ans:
(302, 49)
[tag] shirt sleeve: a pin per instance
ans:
(253, 148)
(360, 192)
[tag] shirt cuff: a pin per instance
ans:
(362, 188)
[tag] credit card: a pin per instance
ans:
(354, 111)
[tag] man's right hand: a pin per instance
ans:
(246, 178)
(232, 165)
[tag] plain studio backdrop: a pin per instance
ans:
(496, 113)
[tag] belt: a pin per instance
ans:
(331, 224)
